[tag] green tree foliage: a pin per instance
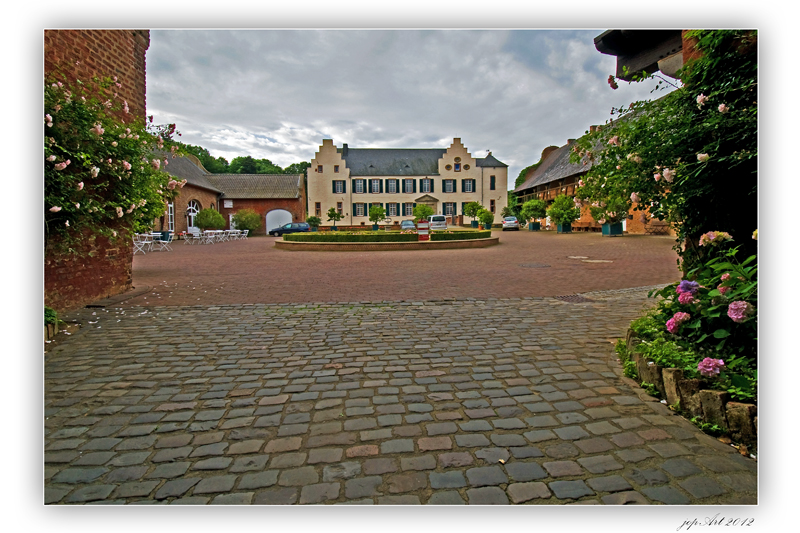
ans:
(422, 212)
(690, 156)
(334, 215)
(471, 209)
(209, 219)
(247, 219)
(297, 168)
(534, 209)
(215, 166)
(486, 217)
(563, 210)
(376, 213)
(313, 221)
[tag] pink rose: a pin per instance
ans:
(702, 157)
(80, 186)
(701, 99)
(723, 108)
(55, 209)
(656, 177)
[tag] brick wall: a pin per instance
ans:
(296, 206)
(100, 269)
(202, 196)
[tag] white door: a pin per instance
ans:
(277, 218)
(231, 222)
(191, 212)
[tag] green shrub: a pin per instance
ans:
(460, 235)
(563, 210)
(246, 219)
(313, 221)
(209, 219)
(471, 209)
(376, 213)
(50, 316)
(486, 217)
(533, 209)
(342, 236)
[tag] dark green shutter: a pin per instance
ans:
(402, 211)
(381, 186)
(399, 213)
(491, 183)
(354, 210)
(333, 183)
(432, 182)
(414, 182)
(344, 187)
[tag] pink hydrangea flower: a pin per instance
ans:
(740, 311)
(681, 317)
(714, 237)
(672, 326)
(723, 290)
(709, 367)
(725, 277)
(686, 298)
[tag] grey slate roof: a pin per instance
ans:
(193, 173)
(555, 167)
(257, 186)
(400, 161)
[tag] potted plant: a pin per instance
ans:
(563, 212)
(335, 216)
(314, 222)
(610, 213)
(209, 219)
(532, 210)
(471, 210)
(376, 214)
(422, 212)
(487, 218)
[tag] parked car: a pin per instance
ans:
(510, 223)
(407, 225)
(292, 227)
(437, 222)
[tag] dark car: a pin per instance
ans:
(292, 227)
(407, 225)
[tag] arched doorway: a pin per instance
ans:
(277, 218)
(191, 212)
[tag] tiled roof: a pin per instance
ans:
(193, 173)
(555, 167)
(401, 161)
(257, 185)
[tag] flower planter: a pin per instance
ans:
(487, 226)
(564, 228)
(334, 228)
(711, 406)
(375, 227)
(534, 226)
(313, 229)
(612, 230)
(475, 224)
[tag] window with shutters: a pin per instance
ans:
(468, 186)
(359, 210)
(392, 210)
(338, 186)
(376, 186)
(359, 185)
(426, 185)
(409, 210)
(408, 185)
(449, 185)
(392, 186)
(449, 208)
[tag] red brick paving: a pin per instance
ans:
(253, 271)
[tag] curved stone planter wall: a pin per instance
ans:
(384, 246)
(712, 406)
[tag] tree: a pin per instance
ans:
(334, 215)
(471, 209)
(247, 219)
(533, 209)
(422, 212)
(486, 217)
(215, 166)
(297, 168)
(376, 213)
(209, 219)
(689, 157)
(243, 165)
(563, 210)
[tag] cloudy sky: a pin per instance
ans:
(276, 94)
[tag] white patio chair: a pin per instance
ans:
(139, 243)
(161, 244)
(244, 234)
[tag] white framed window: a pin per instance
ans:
(408, 185)
(409, 210)
(338, 186)
(392, 186)
(392, 210)
(359, 210)
(468, 186)
(359, 186)
(448, 186)
(171, 216)
(426, 185)
(191, 211)
(449, 208)
(375, 186)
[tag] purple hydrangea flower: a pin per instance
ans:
(688, 286)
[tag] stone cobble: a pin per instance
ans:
(499, 401)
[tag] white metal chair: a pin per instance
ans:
(141, 243)
(162, 244)
(244, 234)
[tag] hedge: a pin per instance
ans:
(383, 237)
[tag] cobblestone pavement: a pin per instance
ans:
(523, 264)
(493, 401)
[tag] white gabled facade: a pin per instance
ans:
(352, 179)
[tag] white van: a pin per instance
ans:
(437, 222)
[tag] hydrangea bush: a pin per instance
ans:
(101, 171)
(708, 325)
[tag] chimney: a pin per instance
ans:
(344, 149)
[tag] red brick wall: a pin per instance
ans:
(202, 196)
(296, 206)
(76, 280)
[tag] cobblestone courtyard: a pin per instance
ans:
(374, 400)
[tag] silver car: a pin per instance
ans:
(437, 222)
(510, 223)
